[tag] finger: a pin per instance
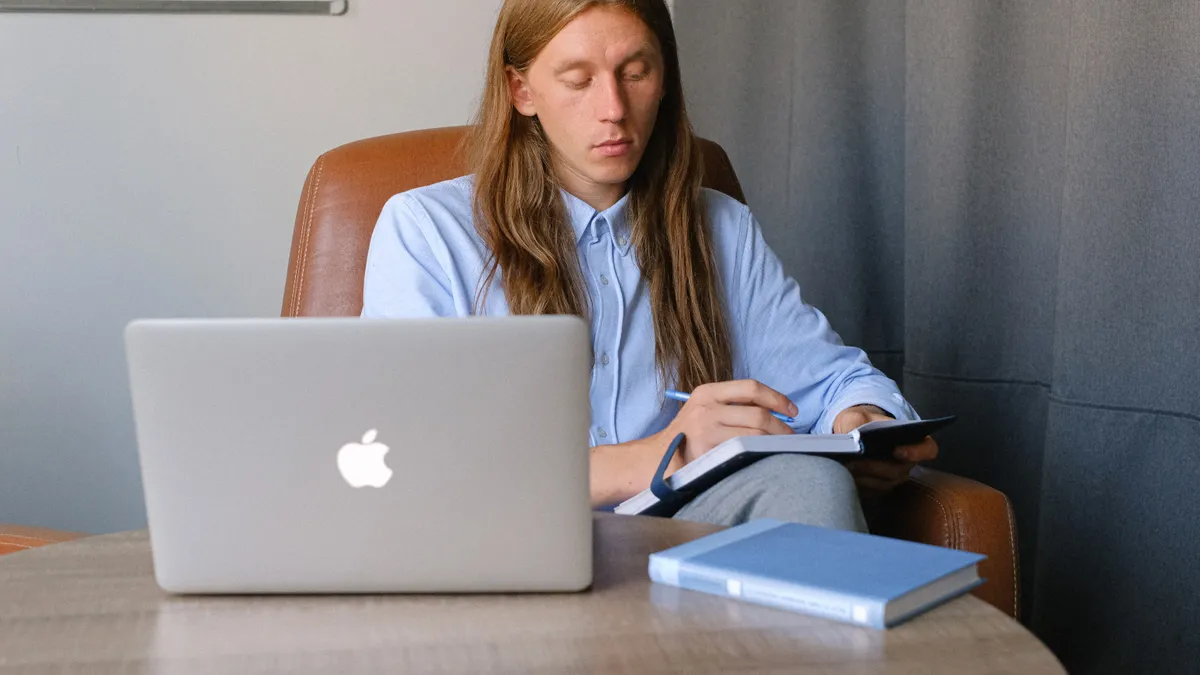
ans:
(752, 392)
(751, 417)
(849, 419)
(925, 451)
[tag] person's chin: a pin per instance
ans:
(613, 172)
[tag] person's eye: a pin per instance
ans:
(577, 84)
(639, 75)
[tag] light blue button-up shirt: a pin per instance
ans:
(426, 259)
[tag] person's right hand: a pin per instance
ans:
(719, 411)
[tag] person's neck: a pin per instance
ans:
(597, 196)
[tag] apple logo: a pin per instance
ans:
(362, 463)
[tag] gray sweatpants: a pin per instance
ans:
(794, 488)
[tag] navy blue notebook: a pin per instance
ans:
(846, 576)
(874, 440)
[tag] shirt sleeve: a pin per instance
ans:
(789, 345)
(403, 278)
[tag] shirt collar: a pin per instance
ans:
(586, 220)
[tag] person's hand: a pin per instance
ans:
(873, 475)
(719, 411)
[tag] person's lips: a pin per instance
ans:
(615, 147)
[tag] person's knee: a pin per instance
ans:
(807, 489)
(795, 488)
(806, 472)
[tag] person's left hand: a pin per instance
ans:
(875, 475)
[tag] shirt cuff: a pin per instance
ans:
(885, 398)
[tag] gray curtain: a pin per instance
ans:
(1000, 201)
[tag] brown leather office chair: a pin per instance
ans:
(343, 196)
(15, 538)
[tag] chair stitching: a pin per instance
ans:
(1012, 541)
(928, 492)
(304, 236)
(305, 206)
(959, 536)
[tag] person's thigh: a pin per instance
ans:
(794, 488)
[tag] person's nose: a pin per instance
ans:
(612, 104)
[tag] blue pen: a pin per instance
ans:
(681, 397)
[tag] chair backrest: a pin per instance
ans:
(346, 190)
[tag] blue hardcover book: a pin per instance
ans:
(846, 576)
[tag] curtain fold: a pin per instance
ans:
(1000, 201)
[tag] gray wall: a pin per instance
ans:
(150, 166)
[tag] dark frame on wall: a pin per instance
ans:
(318, 7)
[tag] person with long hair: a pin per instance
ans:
(584, 197)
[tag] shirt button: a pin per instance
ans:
(603, 279)
(602, 433)
(604, 359)
(622, 241)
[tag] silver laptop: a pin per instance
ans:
(364, 455)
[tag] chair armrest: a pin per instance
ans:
(942, 509)
(15, 538)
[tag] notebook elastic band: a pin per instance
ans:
(658, 485)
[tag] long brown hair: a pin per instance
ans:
(522, 218)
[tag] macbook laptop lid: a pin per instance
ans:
(364, 455)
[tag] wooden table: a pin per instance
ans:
(91, 606)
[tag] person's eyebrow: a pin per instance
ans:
(571, 65)
(641, 53)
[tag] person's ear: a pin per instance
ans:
(518, 91)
